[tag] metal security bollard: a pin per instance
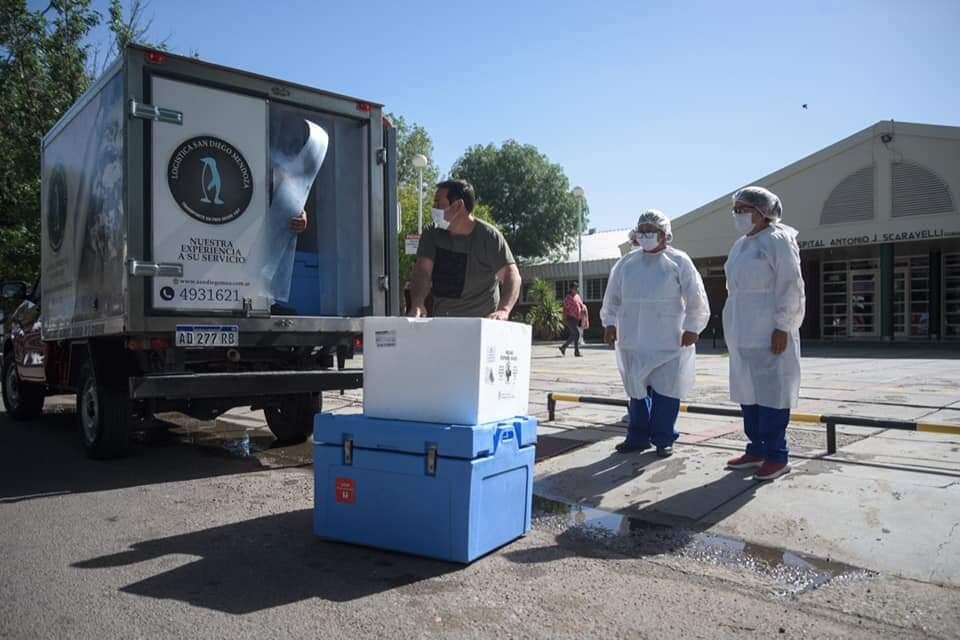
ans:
(830, 421)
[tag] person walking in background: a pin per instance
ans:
(761, 323)
(574, 312)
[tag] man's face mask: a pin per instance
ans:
(440, 219)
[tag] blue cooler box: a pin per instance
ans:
(442, 491)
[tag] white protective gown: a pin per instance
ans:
(652, 298)
(764, 292)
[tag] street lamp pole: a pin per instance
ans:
(420, 161)
(578, 193)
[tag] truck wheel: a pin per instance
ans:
(23, 400)
(292, 420)
(103, 415)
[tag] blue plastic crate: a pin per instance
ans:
(443, 491)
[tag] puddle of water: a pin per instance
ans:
(258, 445)
(238, 444)
(794, 573)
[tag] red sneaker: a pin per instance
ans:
(746, 461)
(771, 471)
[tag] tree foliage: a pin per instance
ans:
(44, 69)
(412, 138)
(46, 63)
(529, 196)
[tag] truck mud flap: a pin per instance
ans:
(243, 384)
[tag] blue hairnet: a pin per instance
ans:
(764, 200)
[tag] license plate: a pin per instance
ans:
(208, 335)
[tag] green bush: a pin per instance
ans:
(546, 315)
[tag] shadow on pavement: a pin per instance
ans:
(44, 457)
(268, 562)
(587, 485)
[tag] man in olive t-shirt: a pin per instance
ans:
(463, 261)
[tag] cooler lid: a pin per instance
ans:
(452, 441)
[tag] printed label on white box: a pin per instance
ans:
(386, 339)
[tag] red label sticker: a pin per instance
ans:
(345, 490)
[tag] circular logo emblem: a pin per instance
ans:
(210, 180)
(167, 293)
(57, 207)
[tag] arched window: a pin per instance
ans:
(917, 191)
(851, 200)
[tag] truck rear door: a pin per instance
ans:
(209, 195)
(224, 186)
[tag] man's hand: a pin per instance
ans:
(688, 338)
(418, 312)
(778, 341)
(298, 224)
(610, 335)
(500, 314)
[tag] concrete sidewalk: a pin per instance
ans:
(887, 501)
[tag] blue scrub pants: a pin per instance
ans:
(767, 430)
(653, 419)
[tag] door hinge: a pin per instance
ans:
(381, 156)
(157, 114)
(154, 269)
(384, 281)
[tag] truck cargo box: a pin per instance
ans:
(168, 189)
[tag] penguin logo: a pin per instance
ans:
(210, 181)
(222, 173)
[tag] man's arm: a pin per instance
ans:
(422, 283)
(509, 277)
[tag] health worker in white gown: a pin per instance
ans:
(653, 311)
(761, 324)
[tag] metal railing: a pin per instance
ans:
(831, 421)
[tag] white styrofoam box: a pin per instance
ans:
(455, 370)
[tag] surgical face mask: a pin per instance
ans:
(439, 220)
(743, 222)
(648, 241)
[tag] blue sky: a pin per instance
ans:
(644, 104)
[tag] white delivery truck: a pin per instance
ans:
(171, 278)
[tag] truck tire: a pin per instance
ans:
(22, 400)
(292, 420)
(103, 416)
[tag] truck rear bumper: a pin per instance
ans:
(243, 384)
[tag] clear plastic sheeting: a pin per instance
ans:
(293, 179)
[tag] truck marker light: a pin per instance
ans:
(155, 57)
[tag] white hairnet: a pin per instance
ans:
(658, 219)
(764, 200)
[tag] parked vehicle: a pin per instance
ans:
(170, 278)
